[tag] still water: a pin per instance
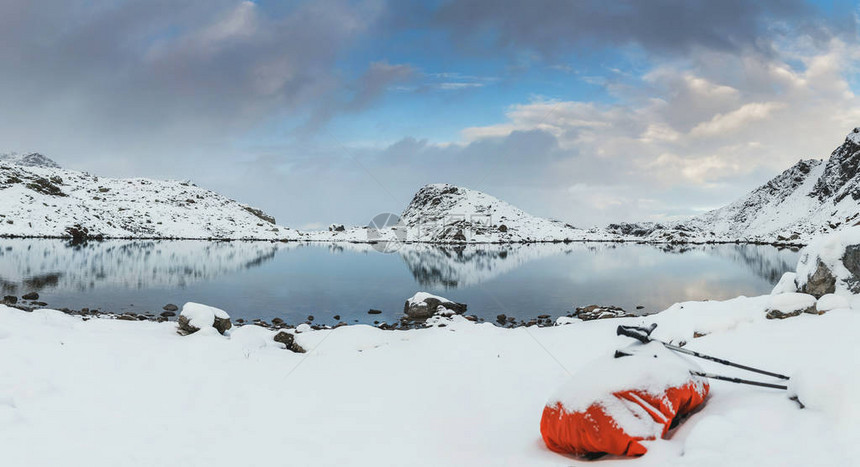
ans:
(293, 280)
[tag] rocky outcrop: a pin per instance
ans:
(195, 316)
(831, 264)
(423, 305)
(289, 341)
(592, 312)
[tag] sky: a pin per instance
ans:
(334, 111)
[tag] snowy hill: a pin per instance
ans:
(39, 199)
(32, 159)
(443, 213)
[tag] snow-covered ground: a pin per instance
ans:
(110, 392)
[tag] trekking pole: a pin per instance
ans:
(739, 380)
(643, 335)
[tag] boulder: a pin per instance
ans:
(831, 264)
(170, 307)
(424, 305)
(592, 312)
(10, 299)
(289, 341)
(790, 304)
(196, 316)
(30, 296)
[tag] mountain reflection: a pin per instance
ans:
(446, 267)
(36, 264)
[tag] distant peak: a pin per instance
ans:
(32, 159)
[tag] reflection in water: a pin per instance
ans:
(444, 267)
(35, 265)
(294, 280)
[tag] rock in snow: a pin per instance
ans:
(788, 305)
(195, 316)
(424, 305)
(591, 312)
(831, 264)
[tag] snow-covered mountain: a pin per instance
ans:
(31, 159)
(810, 198)
(443, 213)
(40, 199)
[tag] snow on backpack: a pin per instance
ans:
(616, 402)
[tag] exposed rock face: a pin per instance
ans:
(423, 305)
(840, 174)
(821, 282)
(593, 312)
(831, 264)
(260, 214)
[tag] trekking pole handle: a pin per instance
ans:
(640, 334)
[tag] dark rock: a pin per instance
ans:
(501, 319)
(429, 306)
(543, 316)
(10, 299)
(503, 228)
(30, 296)
(374, 312)
(593, 312)
(289, 340)
(277, 321)
(639, 307)
(336, 317)
(821, 282)
(260, 214)
(185, 327)
(170, 307)
(167, 314)
(40, 304)
(310, 317)
(790, 304)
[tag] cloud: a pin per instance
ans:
(123, 82)
(551, 27)
(690, 134)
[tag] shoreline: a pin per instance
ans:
(78, 241)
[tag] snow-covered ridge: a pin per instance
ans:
(39, 199)
(443, 213)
